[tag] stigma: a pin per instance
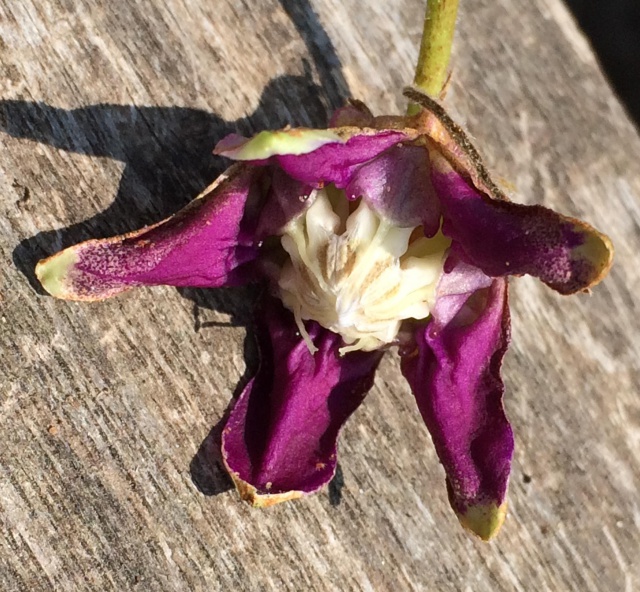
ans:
(356, 274)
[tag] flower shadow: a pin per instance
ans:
(168, 160)
(206, 467)
(167, 151)
(167, 156)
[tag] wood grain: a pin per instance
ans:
(108, 472)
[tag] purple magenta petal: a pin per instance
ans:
(457, 283)
(397, 184)
(505, 238)
(336, 163)
(329, 162)
(356, 114)
(287, 199)
(454, 373)
(207, 244)
(280, 440)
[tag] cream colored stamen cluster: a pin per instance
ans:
(355, 273)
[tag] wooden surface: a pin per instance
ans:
(108, 471)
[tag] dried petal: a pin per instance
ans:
(355, 113)
(454, 373)
(500, 237)
(207, 244)
(334, 161)
(505, 238)
(280, 440)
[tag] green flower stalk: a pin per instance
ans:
(435, 48)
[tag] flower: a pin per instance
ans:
(378, 231)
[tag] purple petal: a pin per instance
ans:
(280, 440)
(266, 144)
(312, 160)
(454, 373)
(207, 244)
(504, 238)
(336, 163)
(397, 184)
(287, 199)
(356, 114)
(458, 282)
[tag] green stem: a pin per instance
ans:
(435, 48)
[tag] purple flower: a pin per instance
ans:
(376, 232)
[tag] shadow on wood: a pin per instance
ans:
(167, 153)
(206, 468)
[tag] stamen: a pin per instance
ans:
(355, 273)
(303, 332)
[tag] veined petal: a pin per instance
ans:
(505, 238)
(279, 442)
(206, 244)
(397, 185)
(454, 373)
(316, 157)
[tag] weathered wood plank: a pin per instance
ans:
(107, 471)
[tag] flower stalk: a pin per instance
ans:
(435, 48)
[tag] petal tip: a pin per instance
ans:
(53, 273)
(256, 499)
(484, 520)
(250, 493)
(596, 252)
(275, 143)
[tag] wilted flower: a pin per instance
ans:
(378, 231)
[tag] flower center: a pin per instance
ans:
(355, 273)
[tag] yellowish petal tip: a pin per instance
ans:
(252, 496)
(484, 520)
(261, 500)
(53, 272)
(598, 250)
(271, 143)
